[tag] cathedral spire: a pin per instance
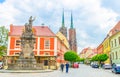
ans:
(71, 21)
(63, 24)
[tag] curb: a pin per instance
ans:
(25, 71)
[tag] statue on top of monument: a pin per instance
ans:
(28, 26)
(31, 19)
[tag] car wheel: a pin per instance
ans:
(115, 72)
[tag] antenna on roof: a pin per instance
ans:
(42, 24)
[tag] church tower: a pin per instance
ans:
(72, 36)
(63, 29)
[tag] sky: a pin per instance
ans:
(92, 19)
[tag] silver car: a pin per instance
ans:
(107, 66)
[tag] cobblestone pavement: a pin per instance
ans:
(83, 71)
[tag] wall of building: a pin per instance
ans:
(115, 48)
(106, 49)
(100, 49)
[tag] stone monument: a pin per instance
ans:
(26, 59)
(27, 41)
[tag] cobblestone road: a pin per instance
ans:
(83, 71)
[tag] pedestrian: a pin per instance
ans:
(62, 67)
(67, 67)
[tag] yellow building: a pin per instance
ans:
(106, 49)
(63, 46)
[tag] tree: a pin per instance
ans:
(103, 57)
(100, 58)
(2, 50)
(3, 36)
(78, 59)
(95, 58)
(70, 56)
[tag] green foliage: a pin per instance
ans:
(103, 57)
(2, 50)
(82, 59)
(78, 59)
(95, 58)
(100, 57)
(71, 56)
(3, 35)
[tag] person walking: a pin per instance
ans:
(62, 67)
(67, 67)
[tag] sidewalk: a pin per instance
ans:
(25, 71)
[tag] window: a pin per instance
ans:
(47, 44)
(112, 43)
(17, 44)
(113, 56)
(115, 42)
(119, 40)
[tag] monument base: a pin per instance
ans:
(26, 64)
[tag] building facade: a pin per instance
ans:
(45, 49)
(100, 49)
(63, 46)
(106, 49)
(115, 48)
(88, 53)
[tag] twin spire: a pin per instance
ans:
(71, 21)
(63, 22)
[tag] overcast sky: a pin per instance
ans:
(92, 18)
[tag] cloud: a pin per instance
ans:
(90, 17)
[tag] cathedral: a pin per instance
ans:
(63, 29)
(72, 33)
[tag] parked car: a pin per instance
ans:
(116, 68)
(107, 66)
(94, 64)
(75, 65)
(1, 65)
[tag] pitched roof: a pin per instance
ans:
(115, 28)
(39, 30)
